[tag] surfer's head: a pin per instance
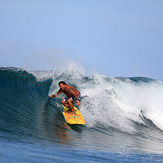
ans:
(62, 84)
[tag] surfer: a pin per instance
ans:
(73, 96)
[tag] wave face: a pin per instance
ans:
(22, 96)
(114, 108)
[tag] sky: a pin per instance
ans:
(118, 38)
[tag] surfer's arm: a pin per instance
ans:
(76, 97)
(77, 101)
(56, 94)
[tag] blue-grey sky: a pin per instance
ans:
(113, 37)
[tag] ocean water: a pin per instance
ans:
(124, 118)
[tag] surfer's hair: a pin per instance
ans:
(62, 82)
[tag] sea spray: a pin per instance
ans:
(118, 103)
(110, 101)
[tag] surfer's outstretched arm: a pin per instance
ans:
(56, 94)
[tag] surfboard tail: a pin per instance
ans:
(73, 118)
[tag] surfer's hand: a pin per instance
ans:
(78, 103)
(51, 96)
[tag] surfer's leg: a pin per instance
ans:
(65, 104)
(70, 102)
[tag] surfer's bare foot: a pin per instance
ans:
(69, 111)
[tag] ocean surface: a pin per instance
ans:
(124, 118)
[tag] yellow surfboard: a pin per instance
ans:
(73, 119)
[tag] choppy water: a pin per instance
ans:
(123, 118)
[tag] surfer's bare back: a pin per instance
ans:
(73, 95)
